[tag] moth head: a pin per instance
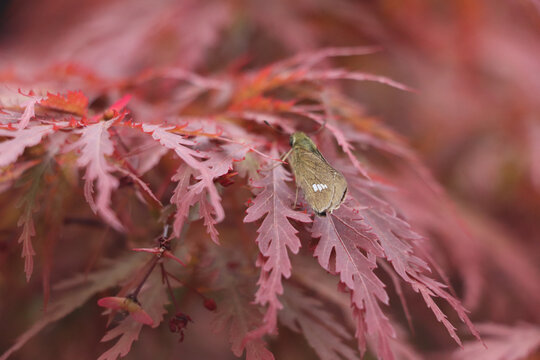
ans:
(301, 140)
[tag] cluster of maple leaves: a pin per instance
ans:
(118, 143)
(168, 147)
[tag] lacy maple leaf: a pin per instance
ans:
(153, 299)
(503, 342)
(95, 145)
(356, 249)
(186, 194)
(183, 147)
(73, 102)
(19, 140)
(276, 235)
(235, 314)
(75, 291)
(324, 334)
(398, 241)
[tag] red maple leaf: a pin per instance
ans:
(95, 145)
(73, 102)
(356, 248)
(276, 235)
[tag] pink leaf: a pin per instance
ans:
(237, 316)
(182, 197)
(502, 343)
(15, 171)
(95, 144)
(74, 102)
(183, 148)
(311, 58)
(347, 148)
(307, 315)
(344, 233)
(187, 194)
(11, 149)
(112, 302)
(181, 145)
(398, 241)
(205, 211)
(276, 235)
(438, 291)
(195, 79)
(28, 113)
(128, 331)
(30, 205)
(339, 74)
(142, 317)
(73, 292)
(262, 118)
(13, 103)
(121, 103)
(153, 298)
(28, 250)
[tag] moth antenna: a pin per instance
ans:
(273, 127)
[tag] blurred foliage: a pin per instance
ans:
(473, 119)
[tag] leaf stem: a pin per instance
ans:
(134, 294)
(165, 276)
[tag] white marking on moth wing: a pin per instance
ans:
(319, 187)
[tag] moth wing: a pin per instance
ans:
(323, 186)
(340, 190)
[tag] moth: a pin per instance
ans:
(324, 187)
